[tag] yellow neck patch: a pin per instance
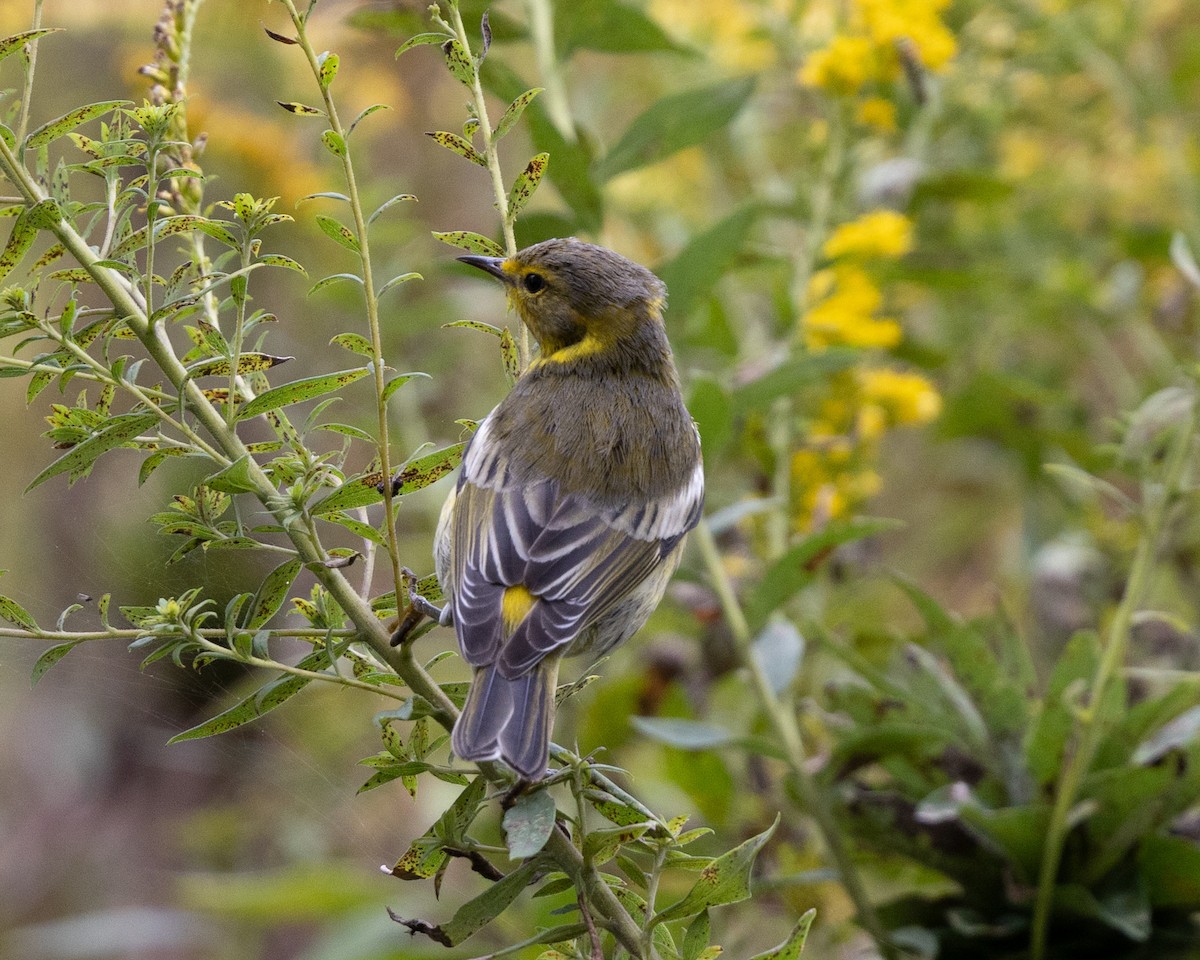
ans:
(515, 606)
(582, 348)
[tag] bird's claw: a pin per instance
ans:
(418, 608)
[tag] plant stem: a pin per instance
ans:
(27, 90)
(541, 26)
(1089, 725)
(492, 155)
(783, 719)
(361, 233)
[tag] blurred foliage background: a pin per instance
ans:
(966, 208)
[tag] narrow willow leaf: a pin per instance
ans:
(425, 470)
(456, 144)
(476, 913)
(485, 30)
(247, 363)
(332, 279)
(474, 242)
(793, 946)
(528, 824)
(279, 260)
(526, 183)
(355, 343)
(461, 67)
(694, 272)
(422, 39)
(388, 204)
(299, 390)
(300, 109)
(477, 325)
(514, 111)
(10, 45)
(397, 382)
(725, 880)
(674, 122)
(356, 492)
(117, 432)
(48, 132)
(396, 281)
(19, 241)
(334, 143)
(235, 478)
(364, 113)
(323, 195)
(45, 214)
(329, 69)
(684, 734)
(49, 658)
(339, 233)
(601, 845)
(52, 253)
(608, 26)
(16, 614)
(510, 356)
(272, 593)
(259, 703)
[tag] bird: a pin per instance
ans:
(576, 493)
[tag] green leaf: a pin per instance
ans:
(526, 183)
(510, 356)
(49, 658)
(19, 241)
(16, 614)
(422, 39)
(279, 260)
(388, 204)
(608, 26)
(332, 279)
(117, 432)
(397, 382)
(601, 845)
(1171, 868)
(460, 65)
(235, 478)
(338, 233)
(334, 143)
(697, 936)
(258, 704)
(272, 593)
(300, 109)
(778, 650)
(355, 343)
(456, 144)
(797, 567)
(685, 734)
(480, 911)
(1047, 742)
(474, 242)
(299, 390)
(396, 281)
(425, 470)
(514, 111)
(1182, 731)
(357, 492)
(725, 880)
(674, 122)
(10, 45)
(693, 273)
(247, 363)
(364, 113)
(793, 946)
(712, 409)
(55, 128)
(329, 69)
(528, 824)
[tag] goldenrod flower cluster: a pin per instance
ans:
(866, 54)
(834, 473)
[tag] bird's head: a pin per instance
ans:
(580, 300)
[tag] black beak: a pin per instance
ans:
(492, 265)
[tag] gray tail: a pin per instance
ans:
(509, 720)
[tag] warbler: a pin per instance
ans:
(575, 495)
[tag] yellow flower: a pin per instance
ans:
(917, 21)
(881, 233)
(906, 398)
(842, 67)
(846, 315)
(878, 113)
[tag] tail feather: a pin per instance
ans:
(509, 719)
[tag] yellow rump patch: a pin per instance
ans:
(515, 606)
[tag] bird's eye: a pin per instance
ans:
(534, 282)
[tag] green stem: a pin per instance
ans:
(492, 155)
(1089, 725)
(783, 719)
(27, 90)
(541, 27)
(378, 366)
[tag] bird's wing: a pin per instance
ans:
(578, 560)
